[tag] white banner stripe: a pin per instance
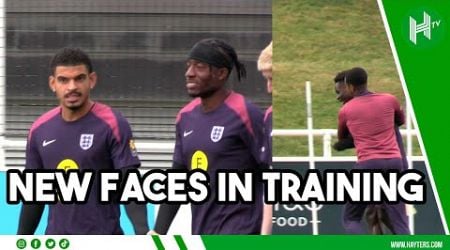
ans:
(193, 242)
(169, 242)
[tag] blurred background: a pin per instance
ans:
(138, 48)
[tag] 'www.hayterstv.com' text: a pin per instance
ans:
(417, 244)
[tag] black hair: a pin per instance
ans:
(356, 76)
(70, 57)
(340, 77)
(218, 53)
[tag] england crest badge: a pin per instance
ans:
(86, 141)
(216, 133)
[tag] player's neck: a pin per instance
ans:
(361, 92)
(70, 115)
(214, 101)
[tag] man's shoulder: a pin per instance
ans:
(46, 117)
(107, 113)
(385, 98)
(188, 107)
(345, 106)
(247, 112)
(382, 95)
(388, 96)
(240, 104)
(111, 118)
(99, 108)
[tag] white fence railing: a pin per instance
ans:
(327, 138)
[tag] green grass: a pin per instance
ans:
(313, 40)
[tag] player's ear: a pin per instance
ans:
(51, 83)
(350, 88)
(92, 79)
(222, 73)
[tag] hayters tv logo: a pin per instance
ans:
(426, 27)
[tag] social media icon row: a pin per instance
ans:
(49, 244)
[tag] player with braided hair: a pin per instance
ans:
(219, 129)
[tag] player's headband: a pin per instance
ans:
(211, 55)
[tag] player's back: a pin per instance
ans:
(370, 119)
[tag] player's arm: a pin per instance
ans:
(266, 226)
(343, 131)
(267, 153)
(138, 217)
(399, 115)
(167, 212)
(344, 143)
(256, 142)
(256, 139)
(401, 147)
(125, 157)
(30, 214)
(399, 119)
(137, 213)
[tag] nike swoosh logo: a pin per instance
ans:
(186, 133)
(46, 143)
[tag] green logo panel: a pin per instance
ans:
(420, 31)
